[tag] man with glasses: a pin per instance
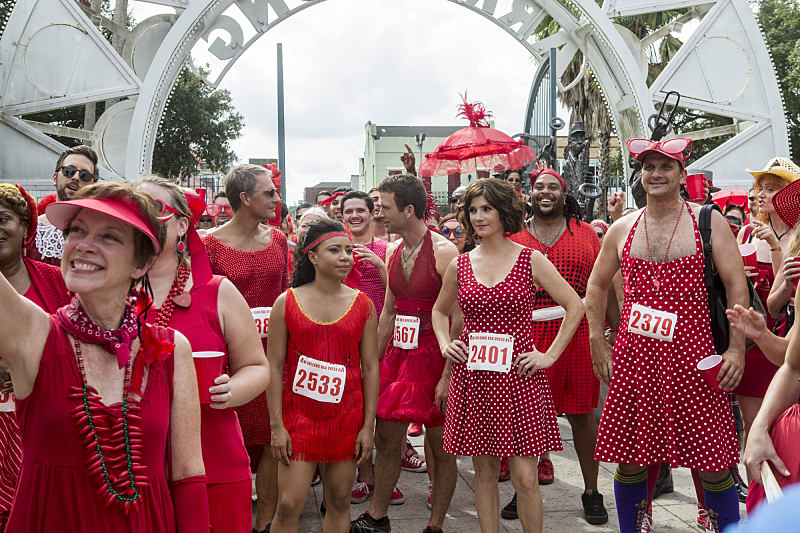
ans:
(76, 168)
(254, 257)
(220, 209)
(752, 203)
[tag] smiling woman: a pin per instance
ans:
(102, 371)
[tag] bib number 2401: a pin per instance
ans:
(652, 323)
(318, 380)
(490, 351)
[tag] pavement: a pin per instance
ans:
(563, 512)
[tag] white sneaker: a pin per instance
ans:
(647, 524)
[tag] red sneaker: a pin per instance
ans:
(397, 496)
(414, 429)
(546, 472)
(317, 478)
(703, 520)
(505, 470)
(361, 492)
(411, 460)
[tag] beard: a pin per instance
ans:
(554, 212)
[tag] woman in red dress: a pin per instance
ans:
(500, 405)
(43, 285)
(323, 341)
(107, 406)
(213, 316)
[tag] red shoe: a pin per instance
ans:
(361, 492)
(317, 478)
(411, 460)
(546, 472)
(397, 496)
(505, 470)
(703, 520)
(414, 429)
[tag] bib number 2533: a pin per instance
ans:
(261, 317)
(490, 351)
(652, 323)
(406, 332)
(318, 380)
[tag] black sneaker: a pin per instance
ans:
(366, 524)
(664, 484)
(432, 529)
(593, 509)
(509, 512)
(741, 486)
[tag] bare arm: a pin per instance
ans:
(281, 443)
(730, 267)
(248, 364)
(186, 451)
(752, 325)
(783, 288)
(370, 384)
(440, 315)
(388, 314)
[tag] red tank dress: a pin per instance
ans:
(659, 409)
(495, 413)
(261, 276)
(325, 432)
(49, 292)
(224, 454)
(371, 283)
(409, 377)
(55, 491)
(575, 388)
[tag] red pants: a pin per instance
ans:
(230, 506)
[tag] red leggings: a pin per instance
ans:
(230, 506)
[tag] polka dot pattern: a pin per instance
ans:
(491, 413)
(659, 408)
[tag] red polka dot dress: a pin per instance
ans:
(659, 409)
(495, 413)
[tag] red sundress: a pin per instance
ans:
(325, 432)
(659, 409)
(409, 377)
(494, 413)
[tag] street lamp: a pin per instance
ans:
(420, 138)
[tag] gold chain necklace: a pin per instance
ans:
(552, 240)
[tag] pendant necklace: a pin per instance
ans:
(550, 244)
(659, 267)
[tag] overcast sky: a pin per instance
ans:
(394, 62)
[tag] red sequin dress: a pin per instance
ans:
(325, 432)
(659, 408)
(370, 282)
(495, 413)
(58, 488)
(575, 388)
(261, 276)
(409, 377)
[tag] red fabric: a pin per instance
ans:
(408, 378)
(492, 413)
(325, 432)
(370, 282)
(56, 492)
(261, 276)
(191, 505)
(659, 409)
(575, 388)
(44, 202)
(784, 433)
(230, 507)
(224, 454)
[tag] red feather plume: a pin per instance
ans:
(475, 112)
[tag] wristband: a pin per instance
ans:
(776, 249)
(190, 498)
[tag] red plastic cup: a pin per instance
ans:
(709, 368)
(695, 185)
(208, 366)
(748, 251)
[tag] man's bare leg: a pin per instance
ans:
(445, 476)
(390, 438)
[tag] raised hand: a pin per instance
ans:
(409, 161)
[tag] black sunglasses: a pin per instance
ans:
(457, 232)
(83, 175)
(269, 193)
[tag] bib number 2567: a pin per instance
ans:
(652, 323)
(318, 380)
(406, 332)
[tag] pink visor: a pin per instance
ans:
(672, 148)
(60, 214)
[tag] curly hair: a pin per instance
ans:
(11, 197)
(143, 202)
(303, 268)
(502, 196)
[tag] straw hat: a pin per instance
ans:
(782, 167)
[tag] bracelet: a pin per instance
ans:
(776, 249)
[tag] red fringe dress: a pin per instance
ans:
(494, 413)
(409, 377)
(325, 432)
(659, 408)
(576, 390)
(261, 276)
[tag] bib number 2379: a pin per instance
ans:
(318, 380)
(652, 323)
(490, 351)
(406, 332)
(261, 317)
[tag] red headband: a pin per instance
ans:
(536, 175)
(33, 216)
(321, 238)
(327, 201)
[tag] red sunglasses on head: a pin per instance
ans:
(215, 209)
(166, 211)
(673, 148)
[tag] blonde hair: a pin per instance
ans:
(177, 201)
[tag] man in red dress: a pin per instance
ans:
(411, 368)
(572, 246)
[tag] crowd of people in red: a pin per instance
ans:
(159, 350)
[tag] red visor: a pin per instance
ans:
(536, 175)
(672, 148)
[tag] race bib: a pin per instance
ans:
(318, 380)
(406, 332)
(261, 317)
(490, 351)
(6, 403)
(652, 323)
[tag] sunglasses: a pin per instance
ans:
(269, 193)
(457, 232)
(83, 175)
(215, 209)
(751, 198)
(166, 211)
(673, 147)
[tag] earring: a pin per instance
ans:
(507, 234)
(181, 247)
(474, 236)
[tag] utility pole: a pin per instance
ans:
(281, 128)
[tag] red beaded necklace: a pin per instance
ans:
(659, 267)
(175, 297)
